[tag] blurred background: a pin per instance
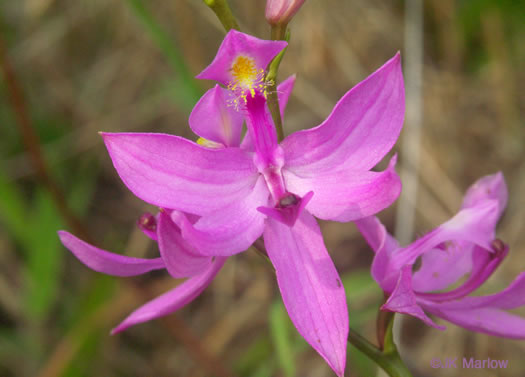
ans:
(78, 67)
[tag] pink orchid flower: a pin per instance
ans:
(465, 244)
(236, 194)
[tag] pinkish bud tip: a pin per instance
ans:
(281, 11)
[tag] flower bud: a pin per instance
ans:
(281, 11)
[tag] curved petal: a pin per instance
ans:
(237, 44)
(376, 234)
(344, 195)
(362, 128)
(171, 172)
(310, 286)
(214, 119)
(403, 299)
(485, 320)
(181, 259)
(105, 261)
(511, 297)
(489, 187)
(231, 229)
(474, 224)
(172, 300)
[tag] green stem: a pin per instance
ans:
(224, 13)
(279, 32)
(388, 359)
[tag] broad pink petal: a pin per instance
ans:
(403, 299)
(171, 172)
(181, 259)
(362, 128)
(310, 286)
(489, 187)
(237, 44)
(231, 229)
(485, 320)
(344, 194)
(105, 261)
(213, 118)
(172, 300)
(443, 266)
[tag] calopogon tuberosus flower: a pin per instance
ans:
(281, 11)
(463, 247)
(235, 194)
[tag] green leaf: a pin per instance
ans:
(280, 327)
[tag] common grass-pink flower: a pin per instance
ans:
(239, 193)
(464, 246)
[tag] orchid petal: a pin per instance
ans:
(310, 286)
(403, 299)
(181, 259)
(237, 44)
(105, 261)
(173, 299)
(214, 119)
(231, 229)
(443, 266)
(485, 320)
(362, 128)
(474, 224)
(172, 172)
(376, 234)
(489, 187)
(345, 195)
(510, 298)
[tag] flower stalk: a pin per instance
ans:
(224, 13)
(388, 358)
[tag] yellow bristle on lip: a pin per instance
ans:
(244, 71)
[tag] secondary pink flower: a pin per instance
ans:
(264, 188)
(465, 244)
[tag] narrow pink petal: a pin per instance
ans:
(213, 118)
(511, 297)
(172, 172)
(231, 229)
(403, 299)
(172, 300)
(485, 320)
(362, 128)
(489, 187)
(105, 261)
(237, 44)
(310, 286)
(345, 195)
(284, 90)
(181, 259)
